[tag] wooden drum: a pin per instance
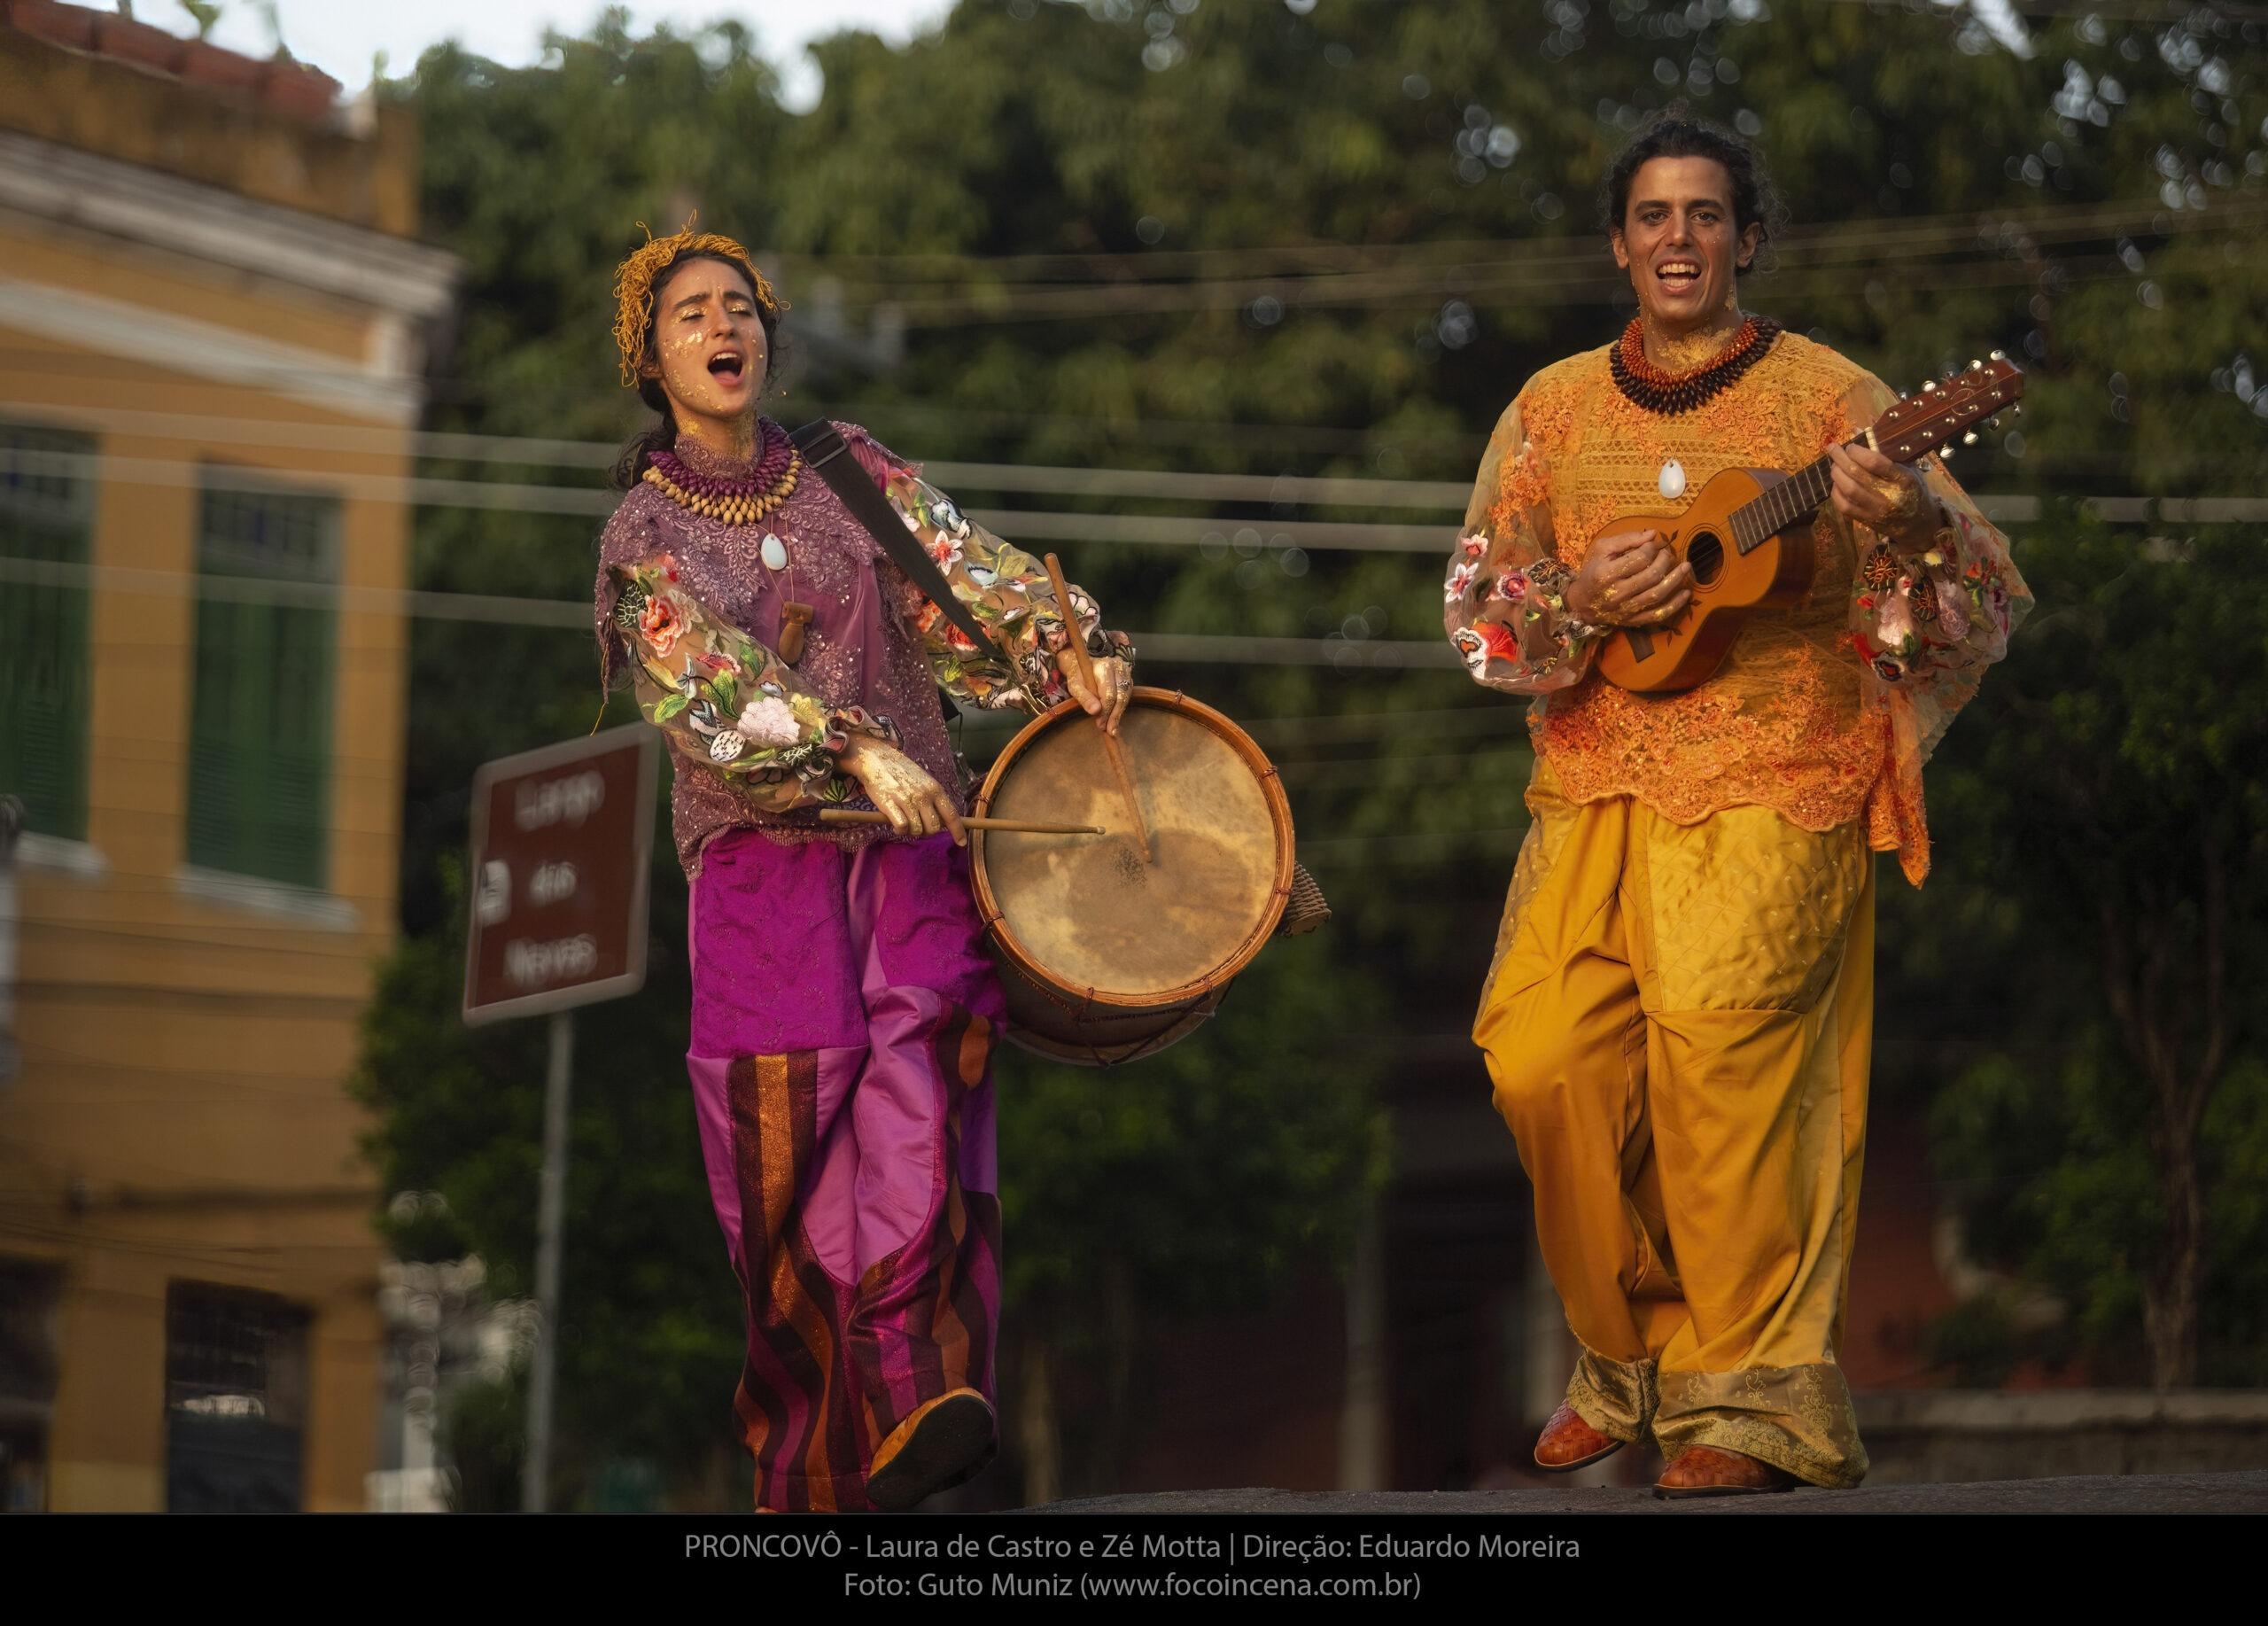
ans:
(1106, 958)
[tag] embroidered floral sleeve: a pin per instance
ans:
(726, 700)
(1004, 588)
(1503, 603)
(1931, 608)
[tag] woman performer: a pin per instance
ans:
(843, 1012)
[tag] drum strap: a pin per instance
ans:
(823, 449)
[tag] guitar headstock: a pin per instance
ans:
(1945, 409)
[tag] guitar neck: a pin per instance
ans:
(1914, 427)
(1757, 520)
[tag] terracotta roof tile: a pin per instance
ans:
(290, 88)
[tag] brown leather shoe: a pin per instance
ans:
(1704, 1470)
(943, 1444)
(1568, 1443)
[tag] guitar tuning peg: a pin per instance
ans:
(2000, 356)
(1975, 365)
(1944, 452)
(1929, 387)
(1969, 438)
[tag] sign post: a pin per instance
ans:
(11, 825)
(562, 839)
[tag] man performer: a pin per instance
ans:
(1678, 1016)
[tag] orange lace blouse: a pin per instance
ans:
(1825, 712)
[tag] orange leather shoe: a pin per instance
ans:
(1704, 1470)
(942, 1445)
(1568, 1443)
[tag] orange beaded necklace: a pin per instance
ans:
(1647, 385)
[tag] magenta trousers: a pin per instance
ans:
(843, 1018)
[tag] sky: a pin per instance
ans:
(343, 38)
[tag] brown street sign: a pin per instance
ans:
(561, 838)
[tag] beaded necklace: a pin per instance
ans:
(743, 502)
(735, 501)
(1647, 385)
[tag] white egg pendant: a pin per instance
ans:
(1671, 483)
(774, 552)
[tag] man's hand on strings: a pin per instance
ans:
(1872, 491)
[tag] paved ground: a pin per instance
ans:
(2138, 1493)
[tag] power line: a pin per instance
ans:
(1013, 524)
(1330, 773)
(575, 615)
(596, 504)
(1809, 285)
(1171, 485)
(1166, 484)
(2076, 221)
(2109, 11)
(1208, 433)
(1811, 268)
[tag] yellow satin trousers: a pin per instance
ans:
(1677, 1023)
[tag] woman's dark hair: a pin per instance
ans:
(662, 435)
(1673, 133)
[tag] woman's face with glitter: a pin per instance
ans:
(709, 351)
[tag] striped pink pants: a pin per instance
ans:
(844, 1017)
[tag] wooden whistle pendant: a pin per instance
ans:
(793, 618)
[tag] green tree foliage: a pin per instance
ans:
(2110, 816)
(1252, 237)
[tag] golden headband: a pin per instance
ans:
(633, 285)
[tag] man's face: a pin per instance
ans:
(1678, 241)
(709, 346)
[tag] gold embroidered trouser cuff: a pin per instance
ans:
(1615, 1397)
(1796, 1417)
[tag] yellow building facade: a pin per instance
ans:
(213, 322)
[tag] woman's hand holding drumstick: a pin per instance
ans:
(1103, 687)
(1106, 715)
(910, 802)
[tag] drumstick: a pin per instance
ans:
(1111, 744)
(856, 815)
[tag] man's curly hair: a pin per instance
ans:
(1673, 132)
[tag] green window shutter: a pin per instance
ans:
(260, 720)
(46, 517)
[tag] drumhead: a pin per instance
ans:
(1085, 912)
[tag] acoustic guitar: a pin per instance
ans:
(1747, 535)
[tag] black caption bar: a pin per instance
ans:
(1132, 1557)
(1383, 1558)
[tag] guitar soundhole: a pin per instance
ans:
(1706, 554)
